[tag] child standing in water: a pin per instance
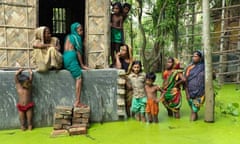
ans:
(136, 81)
(151, 89)
(116, 29)
(25, 104)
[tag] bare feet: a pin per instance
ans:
(137, 117)
(194, 116)
(170, 113)
(30, 127)
(177, 115)
(80, 105)
(143, 118)
(23, 128)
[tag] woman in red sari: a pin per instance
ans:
(172, 78)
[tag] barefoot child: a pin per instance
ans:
(136, 81)
(116, 29)
(152, 107)
(25, 104)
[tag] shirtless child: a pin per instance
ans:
(25, 104)
(116, 29)
(151, 89)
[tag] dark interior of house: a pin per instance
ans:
(58, 15)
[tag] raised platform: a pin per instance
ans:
(55, 88)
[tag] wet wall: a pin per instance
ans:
(57, 88)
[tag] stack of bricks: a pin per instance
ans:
(62, 120)
(70, 121)
(80, 121)
(121, 92)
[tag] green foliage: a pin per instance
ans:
(216, 87)
(230, 109)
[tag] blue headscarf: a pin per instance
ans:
(74, 38)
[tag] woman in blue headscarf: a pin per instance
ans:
(72, 58)
(195, 84)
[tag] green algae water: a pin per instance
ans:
(225, 129)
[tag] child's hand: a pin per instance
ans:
(161, 99)
(30, 71)
(156, 100)
(117, 55)
(19, 71)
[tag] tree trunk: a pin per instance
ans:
(186, 51)
(209, 111)
(131, 29)
(175, 36)
(144, 41)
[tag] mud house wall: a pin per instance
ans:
(58, 88)
(17, 24)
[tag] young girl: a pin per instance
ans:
(136, 81)
(116, 29)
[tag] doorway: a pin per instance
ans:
(58, 15)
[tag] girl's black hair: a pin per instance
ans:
(200, 54)
(172, 59)
(22, 78)
(137, 62)
(151, 76)
(128, 53)
(119, 5)
(127, 5)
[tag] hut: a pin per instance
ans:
(19, 18)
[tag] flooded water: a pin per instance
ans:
(225, 129)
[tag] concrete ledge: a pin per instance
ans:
(58, 88)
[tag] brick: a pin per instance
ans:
(86, 115)
(85, 120)
(77, 115)
(121, 72)
(62, 121)
(121, 81)
(58, 116)
(120, 101)
(77, 120)
(78, 131)
(81, 110)
(121, 91)
(56, 133)
(64, 110)
(67, 117)
(57, 126)
(121, 87)
(64, 126)
(78, 125)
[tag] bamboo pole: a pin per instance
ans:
(222, 57)
(213, 9)
(5, 33)
(28, 45)
(238, 55)
(16, 4)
